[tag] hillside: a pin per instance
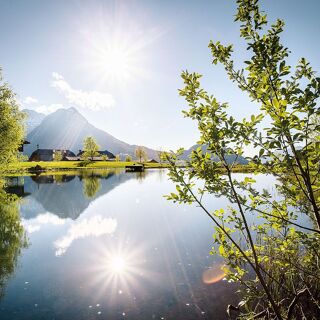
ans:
(33, 119)
(230, 158)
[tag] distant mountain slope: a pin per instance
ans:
(34, 118)
(67, 128)
(230, 158)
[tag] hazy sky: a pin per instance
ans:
(119, 62)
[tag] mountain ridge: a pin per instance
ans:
(67, 128)
(34, 118)
(229, 158)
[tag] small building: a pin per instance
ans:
(22, 144)
(102, 153)
(136, 167)
(152, 161)
(48, 154)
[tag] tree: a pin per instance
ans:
(90, 148)
(12, 236)
(280, 250)
(160, 154)
(128, 158)
(315, 128)
(118, 158)
(141, 154)
(57, 156)
(11, 125)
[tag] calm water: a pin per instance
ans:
(111, 247)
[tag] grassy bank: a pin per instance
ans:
(56, 166)
(74, 165)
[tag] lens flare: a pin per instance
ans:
(214, 274)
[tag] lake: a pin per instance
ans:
(108, 245)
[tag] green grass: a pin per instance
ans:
(71, 165)
(56, 166)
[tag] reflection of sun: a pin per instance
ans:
(118, 270)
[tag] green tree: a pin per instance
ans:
(128, 158)
(57, 156)
(141, 154)
(118, 158)
(90, 148)
(280, 250)
(12, 236)
(11, 125)
(315, 128)
(160, 154)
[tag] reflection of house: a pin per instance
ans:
(48, 154)
(52, 179)
(102, 155)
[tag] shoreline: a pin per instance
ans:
(58, 167)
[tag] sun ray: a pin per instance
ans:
(115, 48)
(118, 269)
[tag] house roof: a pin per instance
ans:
(47, 154)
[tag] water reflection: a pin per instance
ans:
(94, 226)
(35, 224)
(140, 176)
(118, 271)
(113, 251)
(91, 185)
(66, 196)
(12, 237)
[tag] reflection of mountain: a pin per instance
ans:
(63, 195)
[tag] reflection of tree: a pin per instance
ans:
(91, 185)
(12, 237)
(141, 176)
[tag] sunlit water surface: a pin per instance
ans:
(112, 247)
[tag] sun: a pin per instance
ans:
(115, 50)
(118, 265)
(114, 62)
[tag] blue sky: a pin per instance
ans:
(119, 62)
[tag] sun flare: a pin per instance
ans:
(116, 49)
(118, 264)
(114, 62)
